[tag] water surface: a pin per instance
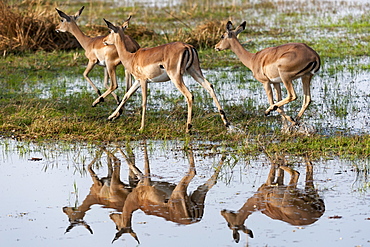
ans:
(35, 192)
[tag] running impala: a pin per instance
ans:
(275, 65)
(98, 54)
(159, 64)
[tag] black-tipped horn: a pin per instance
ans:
(111, 26)
(63, 15)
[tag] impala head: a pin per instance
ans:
(75, 218)
(115, 31)
(121, 229)
(64, 25)
(231, 219)
(224, 43)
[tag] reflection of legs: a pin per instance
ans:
(309, 186)
(294, 176)
(199, 195)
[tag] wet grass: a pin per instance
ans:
(337, 37)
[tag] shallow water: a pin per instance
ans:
(34, 193)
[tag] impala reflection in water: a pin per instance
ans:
(287, 203)
(108, 191)
(163, 199)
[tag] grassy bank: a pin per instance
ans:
(335, 34)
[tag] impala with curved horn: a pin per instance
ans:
(278, 201)
(275, 65)
(98, 54)
(163, 199)
(108, 191)
(159, 64)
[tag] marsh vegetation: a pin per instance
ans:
(44, 95)
(54, 142)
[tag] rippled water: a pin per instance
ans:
(34, 192)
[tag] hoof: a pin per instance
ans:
(113, 117)
(97, 101)
(188, 127)
(274, 108)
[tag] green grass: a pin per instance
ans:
(25, 75)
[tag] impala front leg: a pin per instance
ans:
(132, 90)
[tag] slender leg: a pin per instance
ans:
(144, 92)
(106, 78)
(113, 86)
(306, 82)
(128, 78)
(179, 83)
(196, 73)
(89, 67)
(131, 91)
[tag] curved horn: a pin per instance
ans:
(126, 230)
(76, 223)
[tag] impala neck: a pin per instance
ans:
(80, 36)
(125, 56)
(248, 208)
(245, 56)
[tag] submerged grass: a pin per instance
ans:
(25, 115)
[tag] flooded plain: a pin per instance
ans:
(340, 98)
(59, 194)
(63, 194)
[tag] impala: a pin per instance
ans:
(98, 54)
(278, 201)
(109, 192)
(275, 65)
(163, 199)
(159, 64)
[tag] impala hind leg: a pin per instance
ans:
(306, 83)
(144, 94)
(285, 118)
(179, 83)
(277, 106)
(113, 85)
(198, 76)
(128, 79)
(106, 79)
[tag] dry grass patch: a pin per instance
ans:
(32, 28)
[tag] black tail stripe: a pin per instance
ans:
(310, 65)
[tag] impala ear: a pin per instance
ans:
(125, 23)
(236, 236)
(229, 26)
(249, 232)
(111, 26)
(78, 13)
(63, 15)
(240, 28)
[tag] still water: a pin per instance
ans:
(60, 194)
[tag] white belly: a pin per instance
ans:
(276, 80)
(101, 63)
(161, 78)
